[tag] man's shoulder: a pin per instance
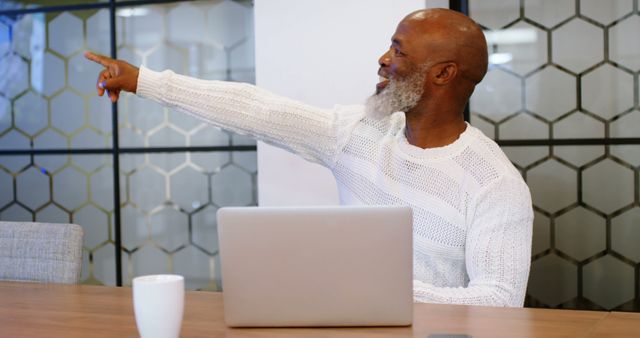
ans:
(491, 157)
(500, 174)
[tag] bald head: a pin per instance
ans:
(451, 36)
(436, 59)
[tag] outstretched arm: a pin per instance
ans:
(497, 250)
(314, 133)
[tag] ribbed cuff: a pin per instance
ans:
(150, 84)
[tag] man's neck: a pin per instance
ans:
(431, 129)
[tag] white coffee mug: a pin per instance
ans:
(158, 302)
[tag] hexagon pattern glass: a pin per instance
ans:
(172, 214)
(161, 40)
(59, 188)
(168, 200)
(567, 70)
(49, 84)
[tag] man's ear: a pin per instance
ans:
(444, 72)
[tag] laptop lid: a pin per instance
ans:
(316, 266)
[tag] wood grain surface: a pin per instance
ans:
(53, 310)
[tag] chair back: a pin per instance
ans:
(40, 252)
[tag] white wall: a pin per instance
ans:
(321, 52)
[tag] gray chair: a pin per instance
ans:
(40, 252)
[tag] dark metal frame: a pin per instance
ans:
(115, 150)
(462, 6)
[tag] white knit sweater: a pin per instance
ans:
(471, 208)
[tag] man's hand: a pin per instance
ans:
(116, 76)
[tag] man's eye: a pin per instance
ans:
(398, 52)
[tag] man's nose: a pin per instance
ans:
(384, 60)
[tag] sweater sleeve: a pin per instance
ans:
(316, 134)
(498, 250)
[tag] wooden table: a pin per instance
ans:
(618, 324)
(50, 310)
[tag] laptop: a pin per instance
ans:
(316, 266)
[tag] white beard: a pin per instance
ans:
(398, 95)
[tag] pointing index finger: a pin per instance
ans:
(103, 60)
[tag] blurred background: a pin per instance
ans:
(561, 98)
(168, 193)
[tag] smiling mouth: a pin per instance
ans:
(382, 84)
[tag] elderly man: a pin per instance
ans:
(408, 145)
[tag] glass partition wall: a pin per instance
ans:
(147, 201)
(561, 98)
